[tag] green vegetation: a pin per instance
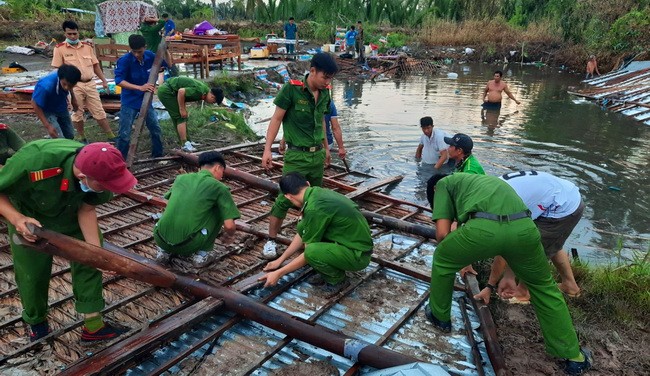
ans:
(619, 290)
(209, 125)
(563, 30)
(231, 84)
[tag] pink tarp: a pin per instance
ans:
(121, 16)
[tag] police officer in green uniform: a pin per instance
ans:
(496, 222)
(460, 150)
(56, 184)
(335, 234)
(199, 205)
(300, 107)
(175, 92)
(10, 142)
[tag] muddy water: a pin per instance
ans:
(605, 154)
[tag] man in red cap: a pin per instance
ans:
(56, 184)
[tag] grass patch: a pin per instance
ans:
(210, 125)
(616, 293)
(231, 84)
(486, 32)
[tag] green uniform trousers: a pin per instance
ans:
(195, 242)
(332, 260)
(33, 270)
(308, 164)
(519, 243)
(170, 100)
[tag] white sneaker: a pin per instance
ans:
(162, 257)
(187, 146)
(202, 259)
(269, 251)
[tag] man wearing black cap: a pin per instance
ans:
(460, 150)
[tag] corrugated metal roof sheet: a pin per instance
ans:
(626, 90)
(367, 313)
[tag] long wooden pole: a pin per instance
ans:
(134, 266)
(146, 102)
(488, 327)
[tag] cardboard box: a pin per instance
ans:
(259, 53)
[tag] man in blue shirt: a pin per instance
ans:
(333, 130)
(50, 101)
(350, 40)
(132, 75)
(170, 26)
(291, 32)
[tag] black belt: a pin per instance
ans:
(85, 82)
(310, 149)
(501, 218)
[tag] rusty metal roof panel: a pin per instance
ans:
(381, 305)
(367, 313)
(626, 90)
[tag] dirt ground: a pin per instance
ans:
(617, 349)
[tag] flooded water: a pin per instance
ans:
(607, 155)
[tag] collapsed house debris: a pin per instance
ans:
(178, 331)
(625, 91)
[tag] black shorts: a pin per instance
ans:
(555, 231)
(491, 105)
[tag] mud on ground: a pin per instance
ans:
(616, 348)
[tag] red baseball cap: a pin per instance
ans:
(104, 163)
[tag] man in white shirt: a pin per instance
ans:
(556, 207)
(432, 148)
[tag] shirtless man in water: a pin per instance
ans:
(592, 67)
(492, 92)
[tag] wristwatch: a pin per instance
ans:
(491, 287)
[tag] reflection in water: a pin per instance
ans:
(490, 119)
(605, 154)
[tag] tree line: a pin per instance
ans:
(619, 25)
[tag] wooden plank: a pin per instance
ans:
(361, 191)
(146, 102)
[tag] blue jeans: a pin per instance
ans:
(127, 117)
(290, 48)
(62, 122)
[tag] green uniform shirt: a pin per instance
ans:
(10, 142)
(194, 200)
(328, 216)
(471, 166)
(460, 194)
(303, 122)
(151, 34)
(53, 200)
(195, 90)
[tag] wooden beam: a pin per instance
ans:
(146, 102)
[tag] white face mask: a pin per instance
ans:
(72, 42)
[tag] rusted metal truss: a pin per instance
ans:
(179, 333)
